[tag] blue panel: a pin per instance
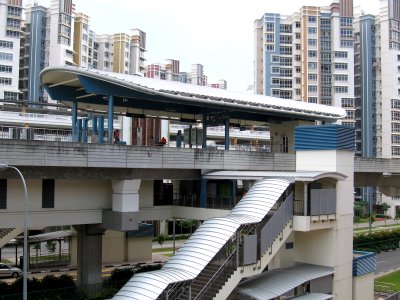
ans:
(364, 263)
(324, 137)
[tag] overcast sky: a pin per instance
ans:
(215, 33)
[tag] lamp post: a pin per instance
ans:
(25, 258)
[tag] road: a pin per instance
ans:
(387, 262)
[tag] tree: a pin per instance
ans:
(51, 246)
(385, 208)
(160, 239)
(187, 224)
(358, 210)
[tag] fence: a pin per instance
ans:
(103, 290)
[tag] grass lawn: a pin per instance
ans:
(392, 281)
(165, 249)
(5, 261)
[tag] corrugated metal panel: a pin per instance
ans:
(363, 263)
(314, 296)
(324, 137)
(49, 236)
(272, 284)
(183, 91)
(206, 242)
(258, 175)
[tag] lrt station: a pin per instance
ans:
(289, 236)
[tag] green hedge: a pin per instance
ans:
(377, 241)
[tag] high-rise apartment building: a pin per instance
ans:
(307, 56)
(83, 42)
(33, 49)
(47, 42)
(377, 88)
(121, 53)
(10, 32)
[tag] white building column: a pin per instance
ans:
(330, 148)
(124, 215)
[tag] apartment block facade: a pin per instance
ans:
(10, 32)
(307, 56)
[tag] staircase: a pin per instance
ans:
(7, 234)
(217, 256)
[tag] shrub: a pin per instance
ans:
(377, 241)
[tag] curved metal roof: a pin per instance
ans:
(206, 242)
(258, 175)
(136, 94)
(272, 284)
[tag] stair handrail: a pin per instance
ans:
(211, 280)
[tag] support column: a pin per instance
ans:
(305, 198)
(110, 119)
(227, 141)
(101, 129)
(85, 131)
(190, 136)
(127, 130)
(74, 120)
(204, 140)
(124, 215)
(89, 254)
(79, 130)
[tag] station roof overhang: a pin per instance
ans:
(305, 176)
(140, 96)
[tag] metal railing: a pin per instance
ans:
(231, 256)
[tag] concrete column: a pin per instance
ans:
(85, 131)
(204, 142)
(74, 120)
(79, 130)
(190, 136)
(124, 215)
(101, 129)
(89, 254)
(110, 118)
(127, 130)
(227, 141)
(305, 198)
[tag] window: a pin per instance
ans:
(6, 44)
(3, 193)
(395, 116)
(269, 26)
(298, 35)
(312, 30)
(275, 69)
(6, 56)
(269, 38)
(312, 65)
(312, 42)
(48, 193)
(312, 99)
(275, 58)
(395, 127)
(270, 47)
(350, 114)
(341, 77)
(395, 139)
(347, 102)
(5, 69)
(395, 104)
(346, 22)
(5, 81)
(346, 43)
(340, 54)
(312, 88)
(312, 19)
(395, 150)
(312, 53)
(275, 80)
(346, 33)
(312, 77)
(340, 66)
(341, 89)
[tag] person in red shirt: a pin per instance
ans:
(163, 141)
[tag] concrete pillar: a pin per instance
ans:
(85, 131)
(110, 119)
(101, 129)
(165, 129)
(79, 130)
(227, 141)
(89, 254)
(74, 120)
(124, 215)
(204, 141)
(127, 130)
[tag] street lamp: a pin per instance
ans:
(25, 257)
